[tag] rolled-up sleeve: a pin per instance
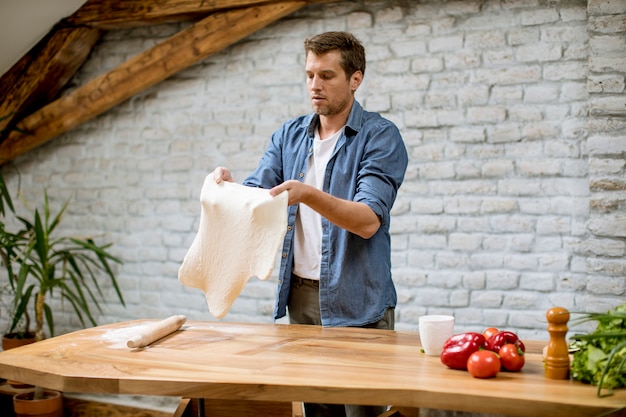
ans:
(382, 169)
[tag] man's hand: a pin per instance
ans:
(297, 191)
(222, 174)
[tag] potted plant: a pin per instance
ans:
(38, 263)
(45, 263)
(18, 333)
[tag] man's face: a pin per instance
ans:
(329, 90)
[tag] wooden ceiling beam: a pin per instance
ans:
(40, 74)
(187, 47)
(115, 14)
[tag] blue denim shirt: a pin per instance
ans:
(368, 166)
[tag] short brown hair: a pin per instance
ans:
(351, 49)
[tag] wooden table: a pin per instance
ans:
(280, 362)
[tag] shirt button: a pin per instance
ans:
(302, 175)
(289, 228)
(310, 150)
(284, 255)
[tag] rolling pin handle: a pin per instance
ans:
(557, 355)
(134, 342)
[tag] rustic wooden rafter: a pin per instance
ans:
(115, 14)
(40, 74)
(29, 118)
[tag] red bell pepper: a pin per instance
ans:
(458, 348)
(495, 342)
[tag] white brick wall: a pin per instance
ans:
(512, 113)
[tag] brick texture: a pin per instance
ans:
(513, 114)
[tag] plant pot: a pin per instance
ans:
(51, 405)
(11, 341)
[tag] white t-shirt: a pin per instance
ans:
(307, 247)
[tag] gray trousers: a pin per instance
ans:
(304, 308)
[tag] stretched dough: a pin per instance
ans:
(241, 231)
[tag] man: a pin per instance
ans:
(342, 167)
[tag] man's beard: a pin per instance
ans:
(330, 109)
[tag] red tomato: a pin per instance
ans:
(483, 364)
(511, 357)
(490, 331)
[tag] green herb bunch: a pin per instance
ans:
(599, 356)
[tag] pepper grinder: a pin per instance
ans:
(557, 355)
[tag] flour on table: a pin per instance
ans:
(241, 231)
(117, 338)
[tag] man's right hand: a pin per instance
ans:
(222, 174)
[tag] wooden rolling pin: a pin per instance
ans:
(156, 331)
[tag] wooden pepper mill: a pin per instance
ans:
(557, 355)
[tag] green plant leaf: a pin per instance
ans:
(79, 304)
(41, 240)
(5, 197)
(600, 355)
(49, 318)
(20, 310)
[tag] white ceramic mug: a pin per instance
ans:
(434, 330)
